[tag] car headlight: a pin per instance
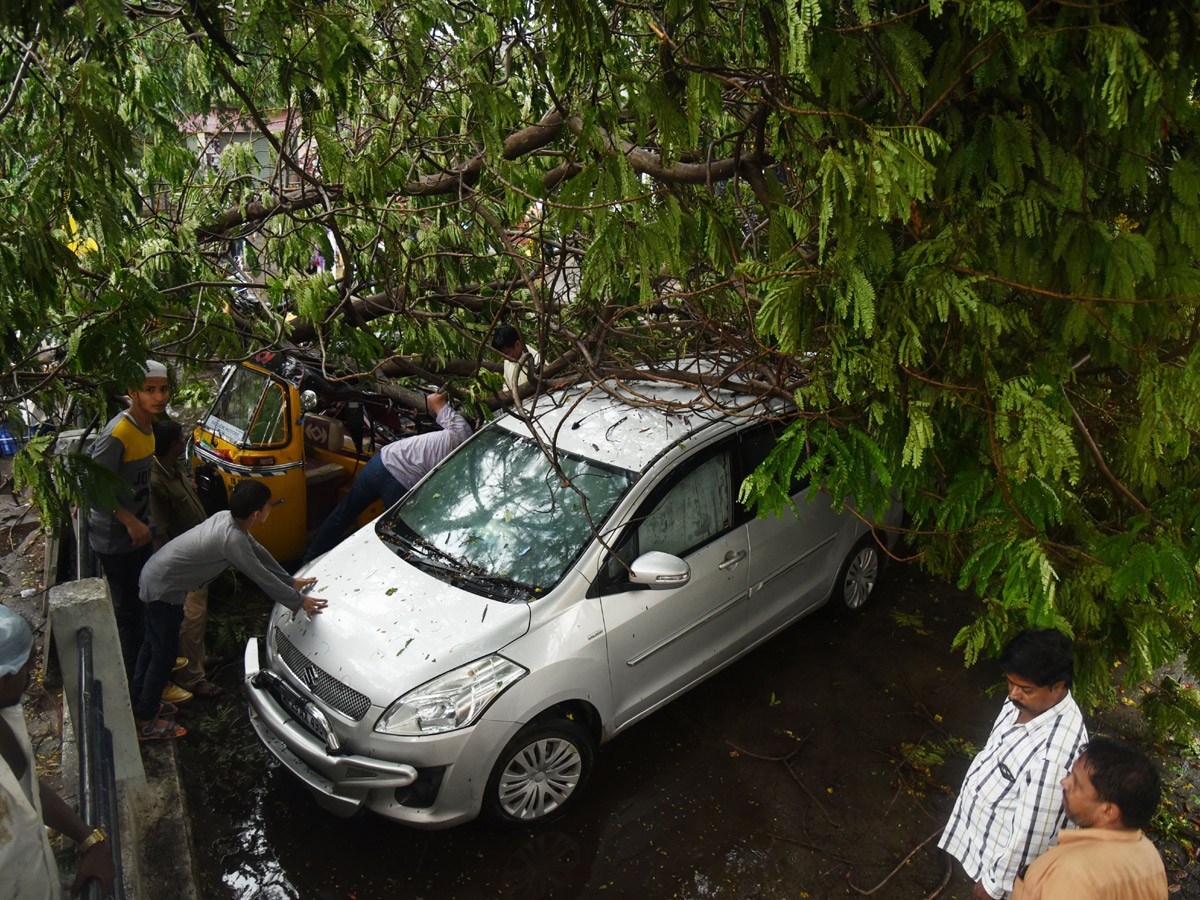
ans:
(450, 701)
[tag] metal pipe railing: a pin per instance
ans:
(85, 728)
(97, 773)
(107, 793)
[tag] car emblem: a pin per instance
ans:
(309, 675)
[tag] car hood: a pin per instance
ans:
(389, 626)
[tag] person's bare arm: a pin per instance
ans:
(96, 861)
(139, 532)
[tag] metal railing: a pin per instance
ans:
(97, 773)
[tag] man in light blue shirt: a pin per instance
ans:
(390, 473)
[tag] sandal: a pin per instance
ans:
(167, 708)
(206, 689)
(159, 730)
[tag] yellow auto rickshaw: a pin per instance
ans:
(276, 417)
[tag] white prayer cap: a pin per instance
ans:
(154, 369)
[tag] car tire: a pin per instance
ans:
(859, 574)
(540, 774)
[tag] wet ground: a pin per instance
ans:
(811, 768)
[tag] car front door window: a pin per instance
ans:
(692, 513)
(685, 512)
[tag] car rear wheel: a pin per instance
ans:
(859, 573)
(541, 773)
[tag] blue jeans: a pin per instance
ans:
(373, 483)
(122, 571)
(156, 659)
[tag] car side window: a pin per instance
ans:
(683, 514)
(693, 512)
(754, 446)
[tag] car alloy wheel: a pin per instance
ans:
(540, 773)
(860, 573)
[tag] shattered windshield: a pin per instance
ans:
(498, 510)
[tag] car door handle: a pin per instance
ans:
(732, 559)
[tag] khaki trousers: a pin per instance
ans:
(191, 638)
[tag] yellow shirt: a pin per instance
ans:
(124, 448)
(1095, 864)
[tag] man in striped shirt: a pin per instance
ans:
(1010, 807)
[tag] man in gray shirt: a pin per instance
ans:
(390, 473)
(189, 562)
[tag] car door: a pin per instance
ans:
(662, 641)
(792, 560)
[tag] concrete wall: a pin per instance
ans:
(85, 603)
(156, 842)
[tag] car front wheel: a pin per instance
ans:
(541, 773)
(860, 573)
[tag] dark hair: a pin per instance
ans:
(1122, 774)
(248, 497)
(1043, 655)
(166, 433)
(504, 337)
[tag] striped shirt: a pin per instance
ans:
(1010, 808)
(126, 449)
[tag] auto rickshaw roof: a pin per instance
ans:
(304, 373)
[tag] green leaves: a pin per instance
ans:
(962, 238)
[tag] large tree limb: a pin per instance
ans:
(385, 303)
(1099, 457)
(516, 145)
(519, 143)
(652, 164)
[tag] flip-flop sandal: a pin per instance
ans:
(154, 731)
(167, 708)
(207, 690)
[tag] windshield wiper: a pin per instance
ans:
(508, 586)
(425, 555)
(421, 547)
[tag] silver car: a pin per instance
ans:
(536, 594)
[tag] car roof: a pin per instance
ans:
(629, 424)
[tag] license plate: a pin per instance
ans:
(297, 707)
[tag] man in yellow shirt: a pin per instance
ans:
(1110, 794)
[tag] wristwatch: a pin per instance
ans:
(92, 840)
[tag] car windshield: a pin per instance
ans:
(497, 511)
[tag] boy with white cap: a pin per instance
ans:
(27, 804)
(121, 537)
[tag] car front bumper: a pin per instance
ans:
(344, 782)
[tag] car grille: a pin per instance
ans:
(345, 700)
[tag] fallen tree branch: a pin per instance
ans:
(786, 760)
(899, 866)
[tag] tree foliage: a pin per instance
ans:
(960, 236)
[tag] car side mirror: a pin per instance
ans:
(659, 571)
(308, 401)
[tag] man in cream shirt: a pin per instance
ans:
(27, 805)
(1110, 794)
